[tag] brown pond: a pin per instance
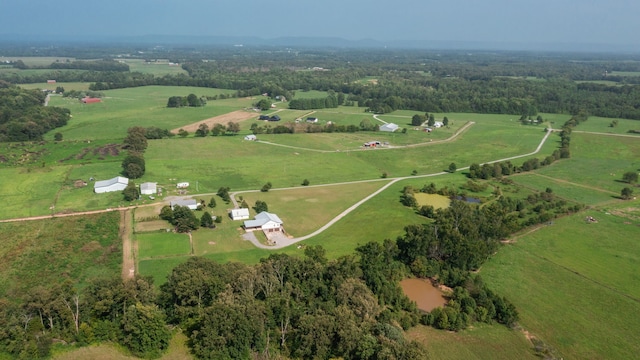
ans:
(426, 296)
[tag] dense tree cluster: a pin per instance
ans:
(133, 166)
(330, 101)
(182, 218)
(413, 79)
(299, 308)
(23, 116)
(190, 100)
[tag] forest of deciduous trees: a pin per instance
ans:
(420, 80)
(23, 116)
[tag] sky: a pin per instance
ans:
(612, 22)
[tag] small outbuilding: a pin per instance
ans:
(148, 188)
(192, 204)
(251, 137)
(239, 214)
(182, 185)
(275, 118)
(389, 127)
(117, 183)
(312, 120)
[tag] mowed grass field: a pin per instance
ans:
(143, 106)
(575, 284)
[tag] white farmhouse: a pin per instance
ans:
(118, 183)
(182, 185)
(264, 221)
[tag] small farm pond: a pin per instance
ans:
(426, 296)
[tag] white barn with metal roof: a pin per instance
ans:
(118, 183)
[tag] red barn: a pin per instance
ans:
(90, 100)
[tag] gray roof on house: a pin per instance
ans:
(115, 180)
(261, 219)
(389, 127)
(188, 202)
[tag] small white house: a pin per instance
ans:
(118, 183)
(313, 120)
(240, 214)
(438, 124)
(264, 221)
(148, 188)
(182, 185)
(389, 127)
(251, 137)
(192, 204)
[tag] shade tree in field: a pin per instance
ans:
(626, 193)
(630, 177)
(203, 130)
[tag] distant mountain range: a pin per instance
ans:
(316, 42)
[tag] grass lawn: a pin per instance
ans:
(162, 244)
(178, 350)
(576, 284)
(435, 200)
(306, 209)
(491, 342)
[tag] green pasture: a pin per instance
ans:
(310, 94)
(37, 60)
(625, 73)
(596, 124)
(160, 67)
(576, 275)
(574, 191)
(80, 86)
(482, 341)
(144, 106)
(30, 191)
(597, 161)
(162, 244)
(82, 247)
(251, 164)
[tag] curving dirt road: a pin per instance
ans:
(287, 242)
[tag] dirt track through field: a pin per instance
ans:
(235, 116)
(128, 261)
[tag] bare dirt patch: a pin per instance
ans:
(155, 225)
(235, 116)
